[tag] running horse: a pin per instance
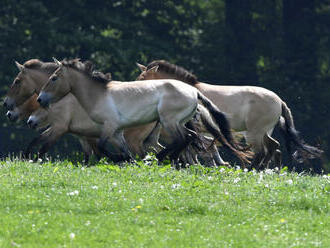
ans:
(119, 105)
(55, 121)
(254, 110)
(69, 116)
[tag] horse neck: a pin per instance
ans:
(42, 115)
(86, 91)
(164, 75)
(29, 106)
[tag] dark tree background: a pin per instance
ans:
(282, 45)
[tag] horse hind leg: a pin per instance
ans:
(272, 147)
(213, 151)
(151, 142)
(116, 138)
(257, 143)
(278, 158)
(182, 143)
(181, 138)
(188, 156)
(119, 141)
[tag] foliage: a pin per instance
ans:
(58, 204)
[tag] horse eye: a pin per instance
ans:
(17, 81)
(54, 78)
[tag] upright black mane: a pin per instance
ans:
(178, 71)
(87, 68)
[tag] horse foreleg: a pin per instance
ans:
(93, 144)
(101, 146)
(89, 145)
(51, 135)
(36, 141)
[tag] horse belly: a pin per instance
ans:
(136, 117)
(85, 128)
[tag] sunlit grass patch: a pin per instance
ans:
(59, 204)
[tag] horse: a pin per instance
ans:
(119, 105)
(23, 111)
(30, 79)
(33, 74)
(67, 116)
(254, 110)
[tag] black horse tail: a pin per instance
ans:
(213, 129)
(291, 135)
(221, 121)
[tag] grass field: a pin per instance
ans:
(146, 205)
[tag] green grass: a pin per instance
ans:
(61, 205)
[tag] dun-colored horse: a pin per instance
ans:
(31, 77)
(254, 110)
(54, 122)
(118, 105)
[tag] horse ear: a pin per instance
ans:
(57, 62)
(19, 66)
(89, 66)
(154, 69)
(142, 67)
(108, 76)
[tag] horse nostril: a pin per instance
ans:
(9, 114)
(29, 122)
(5, 104)
(39, 100)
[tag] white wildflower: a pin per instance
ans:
(76, 192)
(94, 187)
(72, 235)
(176, 186)
(289, 181)
(236, 180)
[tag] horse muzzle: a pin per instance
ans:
(43, 99)
(9, 103)
(12, 115)
(32, 122)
